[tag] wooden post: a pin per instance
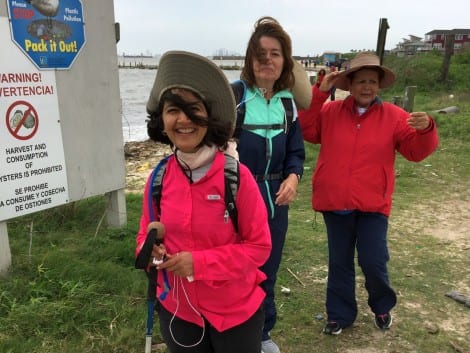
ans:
(449, 47)
(383, 26)
(117, 214)
(398, 100)
(5, 254)
(409, 98)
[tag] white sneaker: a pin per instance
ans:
(269, 346)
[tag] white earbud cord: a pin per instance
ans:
(179, 280)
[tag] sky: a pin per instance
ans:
(207, 27)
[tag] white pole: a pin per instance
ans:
(5, 254)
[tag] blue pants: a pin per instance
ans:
(278, 229)
(368, 233)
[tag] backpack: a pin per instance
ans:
(231, 178)
(239, 90)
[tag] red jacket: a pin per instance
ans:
(226, 288)
(355, 166)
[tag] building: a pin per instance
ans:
(331, 58)
(411, 46)
(438, 37)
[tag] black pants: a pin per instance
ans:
(245, 337)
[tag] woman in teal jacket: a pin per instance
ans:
(269, 144)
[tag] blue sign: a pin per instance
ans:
(50, 32)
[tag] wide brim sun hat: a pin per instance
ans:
(364, 61)
(181, 69)
(302, 90)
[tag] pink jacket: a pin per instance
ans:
(355, 166)
(226, 282)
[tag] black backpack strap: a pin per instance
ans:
(289, 108)
(232, 180)
(239, 91)
(263, 126)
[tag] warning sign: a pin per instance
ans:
(50, 32)
(32, 163)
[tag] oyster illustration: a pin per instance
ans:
(48, 8)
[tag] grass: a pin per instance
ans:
(71, 291)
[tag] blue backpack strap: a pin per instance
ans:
(155, 190)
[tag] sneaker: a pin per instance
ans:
(269, 346)
(332, 328)
(383, 321)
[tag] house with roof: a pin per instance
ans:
(438, 38)
(411, 46)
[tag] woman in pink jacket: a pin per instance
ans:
(214, 301)
(354, 180)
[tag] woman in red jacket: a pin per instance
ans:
(320, 75)
(354, 180)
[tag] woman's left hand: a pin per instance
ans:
(180, 264)
(418, 120)
(287, 191)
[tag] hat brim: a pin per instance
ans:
(302, 90)
(342, 80)
(197, 73)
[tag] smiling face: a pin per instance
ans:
(185, 135)
(364, 86)
(268, 67)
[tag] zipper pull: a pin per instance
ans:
(226, 216)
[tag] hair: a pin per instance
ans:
(322, 72)
(218, 130)
(269, 27)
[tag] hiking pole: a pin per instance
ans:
(156, 230)
(151, 297)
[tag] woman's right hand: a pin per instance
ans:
(158, 255)
(328, 81)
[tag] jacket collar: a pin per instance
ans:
(350, 104)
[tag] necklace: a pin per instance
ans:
(265, 91)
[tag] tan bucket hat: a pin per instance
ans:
(302, 90)
(197, 73)
(363, 61)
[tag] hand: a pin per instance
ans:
(328, 81)
(287, 190)
(418, 120)
(180, 264)
(158, 255)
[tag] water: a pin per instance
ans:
(135, 85)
